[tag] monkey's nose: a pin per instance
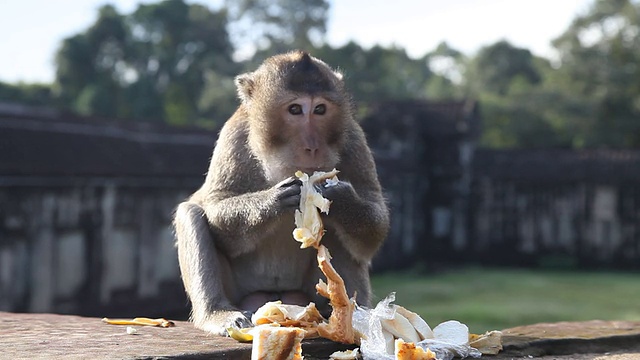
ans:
(311, 152)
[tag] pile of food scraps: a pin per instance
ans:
(387, 331)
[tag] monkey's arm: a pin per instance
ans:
(239, 204)
(360, 219)
(242, 220)
(358, 212)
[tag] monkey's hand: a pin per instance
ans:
(360, 216)
(340, 191)
(287, 193)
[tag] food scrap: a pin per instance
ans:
(276, 343)
(409, 351)
(388, 331)
(142, 321)
(487, 343)
(345, 355)
(275, 312)
(241, 335)
(340, 327)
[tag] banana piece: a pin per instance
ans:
(401, 328)
(417, 322)
(242, 335)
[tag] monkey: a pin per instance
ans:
(234, 234)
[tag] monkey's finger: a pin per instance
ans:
(289, 200)
(288, 182)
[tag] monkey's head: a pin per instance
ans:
(298, 111)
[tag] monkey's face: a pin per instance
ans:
(298, 111)
(300, 133)
(309, 129)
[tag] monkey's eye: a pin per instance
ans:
(295, 109)
(320, 109)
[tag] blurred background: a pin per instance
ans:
(506, 135)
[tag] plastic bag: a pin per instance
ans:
(450, 338)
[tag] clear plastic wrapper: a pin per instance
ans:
(449, 339)
(367, 322)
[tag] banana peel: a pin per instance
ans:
(141, 321)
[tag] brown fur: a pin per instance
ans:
(234, 233)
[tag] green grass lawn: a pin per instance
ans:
(488, 299)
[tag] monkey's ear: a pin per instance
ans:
(245, 86)
(338, 74)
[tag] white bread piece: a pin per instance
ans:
(277, 343)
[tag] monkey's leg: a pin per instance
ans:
(203, 273)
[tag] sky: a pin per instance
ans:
(34, 29)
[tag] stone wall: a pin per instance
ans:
(86, 205)
(94, 249)
(85, 213)
(557, 207)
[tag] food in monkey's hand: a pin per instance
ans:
(309, 228)
(277, 343)
(409, 351)
(340, 327)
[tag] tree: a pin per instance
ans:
(27, 94)
(447, 65)
(508, 83)
(275, 26)
(497, 66)
(599, 60)
(89, 66)
(147, 65)
(379, 73)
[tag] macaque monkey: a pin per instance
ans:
(234, 235)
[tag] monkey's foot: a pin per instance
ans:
(218, 322)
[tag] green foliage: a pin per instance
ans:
(599, 60)
(275, 26)
(379, 73)
(497, 66)
(146, 65)
(447, 65)
(171, 61)
(28, 94)
(491, 299)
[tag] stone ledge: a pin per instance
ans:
(28, 336)
(573, 338)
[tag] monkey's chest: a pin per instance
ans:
(279, 264)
